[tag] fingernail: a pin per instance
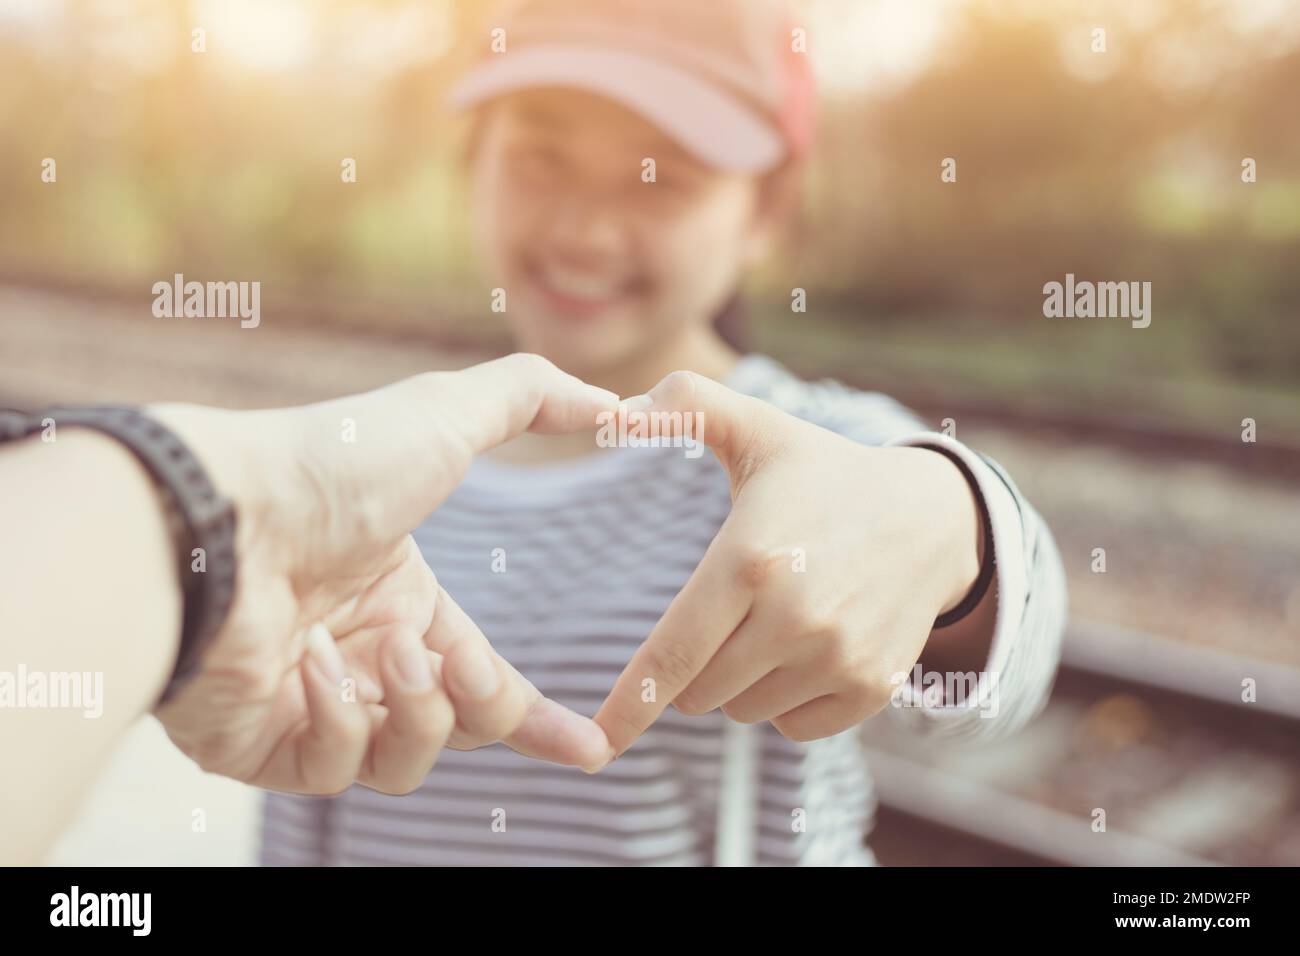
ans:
(323, 650)
(413, 663)
(637, 403)
(478, 675)
(609, 759)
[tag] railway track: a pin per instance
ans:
(1155, 734)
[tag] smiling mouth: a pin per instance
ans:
(579, 293)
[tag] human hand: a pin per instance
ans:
(824, 581)
(342, 660)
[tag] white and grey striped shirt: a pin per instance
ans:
(595, 550)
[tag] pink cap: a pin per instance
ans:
(721, 77)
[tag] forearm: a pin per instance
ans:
(90, 617)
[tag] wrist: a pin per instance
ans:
(953, 505)
(230, 448)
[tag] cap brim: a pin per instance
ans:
(715, 127)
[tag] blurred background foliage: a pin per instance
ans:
(1115, 166)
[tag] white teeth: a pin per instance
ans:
(578, 285)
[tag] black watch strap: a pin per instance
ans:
(202, 522)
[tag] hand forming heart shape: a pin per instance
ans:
(326, 497)
(821, 587)
(328, 565)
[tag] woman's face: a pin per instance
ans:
(600, 267)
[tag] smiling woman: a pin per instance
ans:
(626, 175)
(625, 167)
(604, 267)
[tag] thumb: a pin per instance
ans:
(738, 427)
(409, 444)
(495, 401)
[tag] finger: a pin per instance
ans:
(765, 644)
(420, 717)
(493, 701)
(781, 691)
(823, 717)
(700, 618)
(503, 398)
(406, 446)
(329, 751)
(741, 662)
(490, 703)
(734, 425)
(363, 668)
